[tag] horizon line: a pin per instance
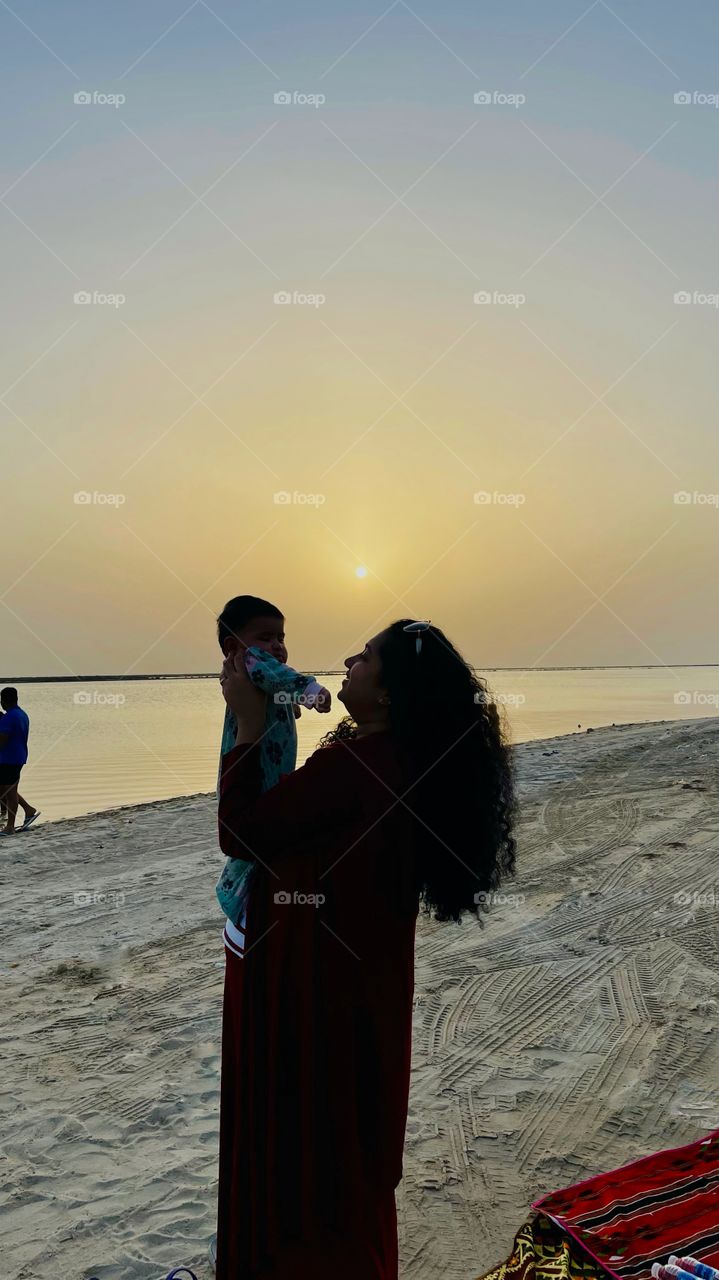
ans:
(213, 675)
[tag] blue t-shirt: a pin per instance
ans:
(16, 723)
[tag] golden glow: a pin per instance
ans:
(407, 385)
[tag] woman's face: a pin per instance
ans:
(362, 687)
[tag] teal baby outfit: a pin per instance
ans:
(278, 753)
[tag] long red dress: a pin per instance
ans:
(316, 1040)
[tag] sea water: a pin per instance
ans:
(98, 745)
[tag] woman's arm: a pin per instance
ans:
(301, 813)
(247, 703)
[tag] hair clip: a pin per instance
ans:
(415, 628)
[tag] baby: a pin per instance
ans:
(256, 629)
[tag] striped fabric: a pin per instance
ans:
(639, 1214)
(234, 937)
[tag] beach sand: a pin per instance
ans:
(573, 1033)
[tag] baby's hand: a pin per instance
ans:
(321, 701)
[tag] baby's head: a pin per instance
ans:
(249, 621)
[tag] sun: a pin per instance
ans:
(360, 571)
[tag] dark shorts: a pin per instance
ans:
(9, 774)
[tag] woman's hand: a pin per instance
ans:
(244, 698)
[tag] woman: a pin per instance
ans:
(409, 800)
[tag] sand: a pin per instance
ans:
(574, 1032)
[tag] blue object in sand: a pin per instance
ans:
(693, 1267)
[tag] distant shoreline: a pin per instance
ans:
(214, 675)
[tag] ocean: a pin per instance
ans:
(104, 743)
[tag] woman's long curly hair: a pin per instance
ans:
(458, 767)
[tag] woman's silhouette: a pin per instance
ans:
(408, 802)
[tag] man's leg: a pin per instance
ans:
(11, 806)
(28, 808)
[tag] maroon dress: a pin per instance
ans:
(316, 1039)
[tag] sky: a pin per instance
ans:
(296, 291)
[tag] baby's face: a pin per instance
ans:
(267, 634)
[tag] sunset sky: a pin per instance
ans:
(183, 397)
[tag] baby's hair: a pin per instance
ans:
(238, 612)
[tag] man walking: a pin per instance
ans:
(14, 730)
